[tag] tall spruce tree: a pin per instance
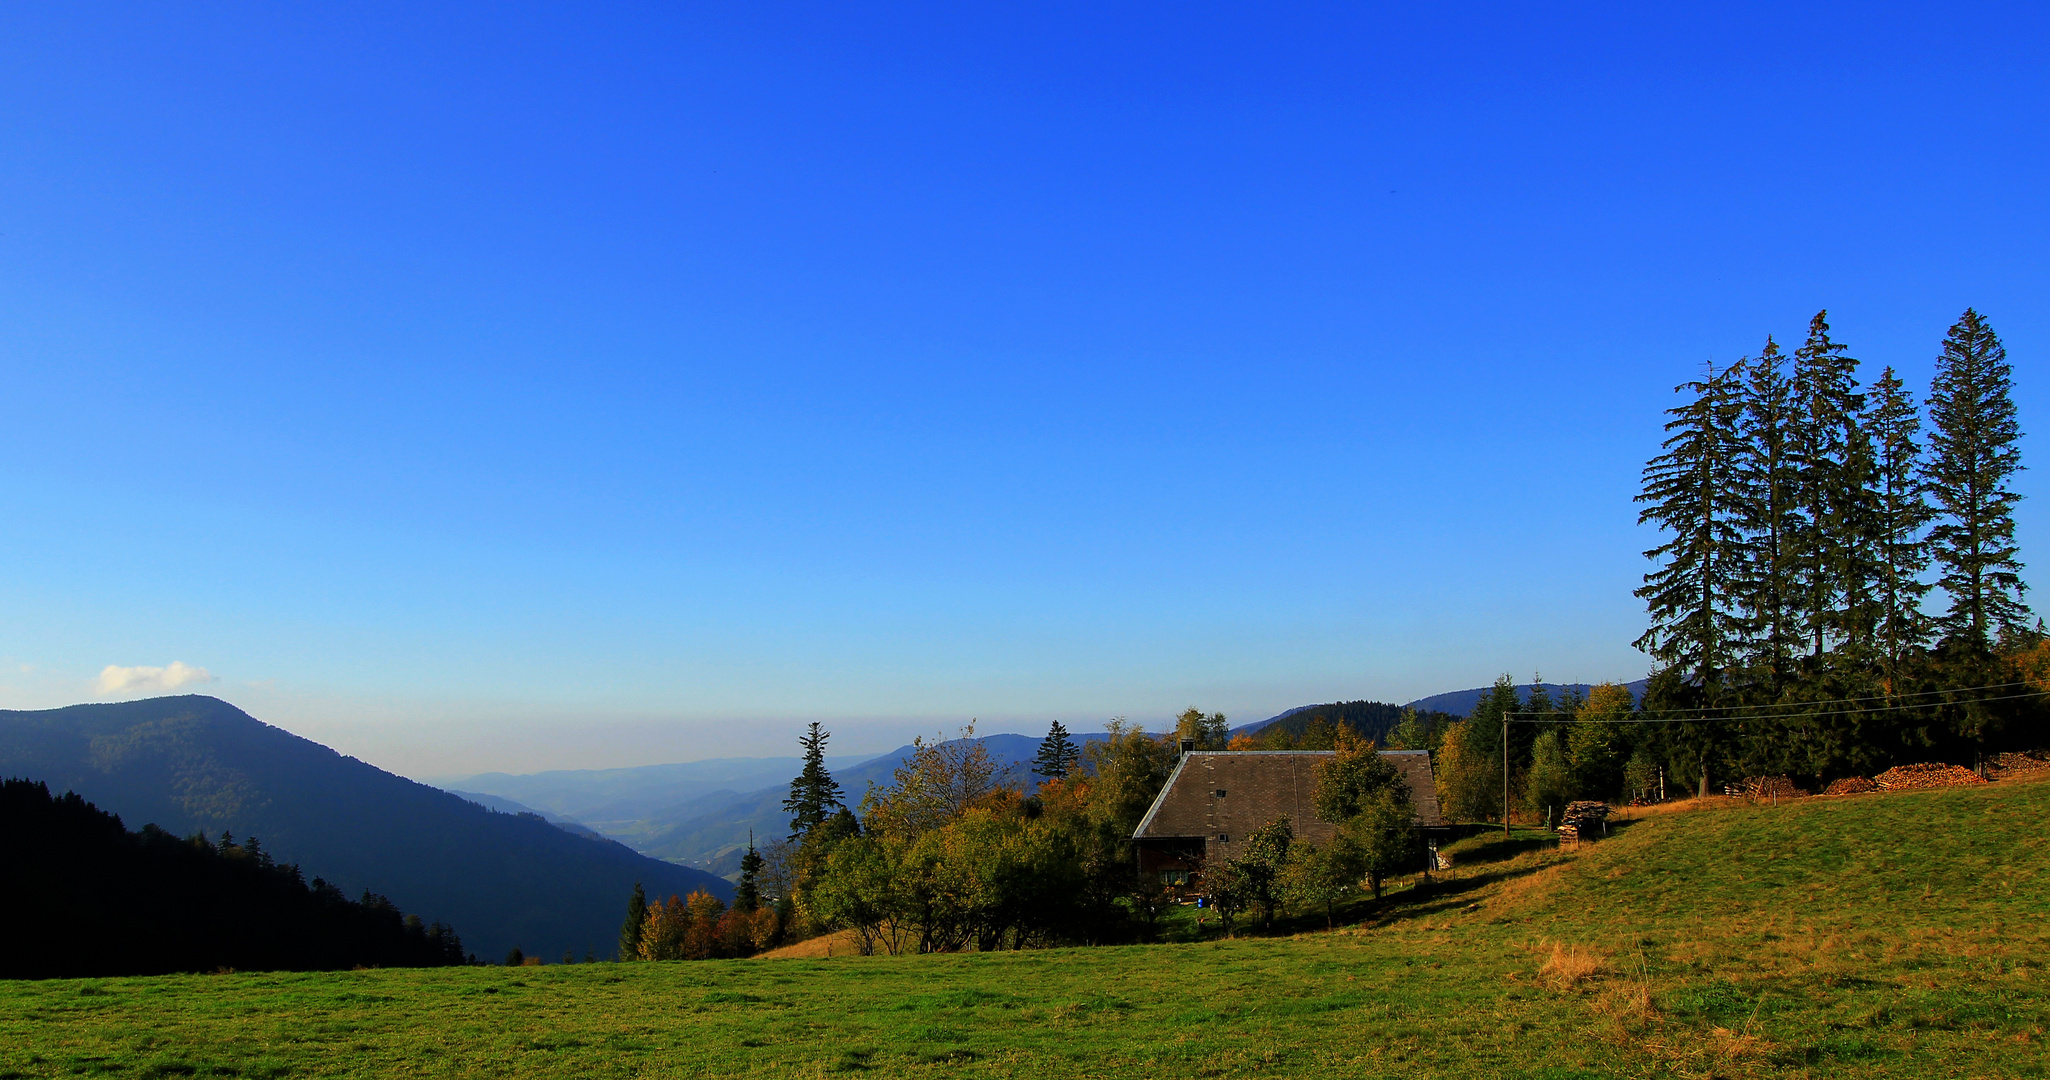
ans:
(630, 929)
(1691, 491)
(1058, 754)
(1834, 461)
(814, 794)
(1768, 486)
(1901, 515)
(1972, 458)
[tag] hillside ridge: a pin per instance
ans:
(198, 764)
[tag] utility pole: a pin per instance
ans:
(1505, 775)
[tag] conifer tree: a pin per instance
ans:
(630, 930)
(1901, 515)
(814, 794)
(1972, 458)
(747, 896)
(1831, 564)
(1768, 484)
(1691, 491)
(1057, 753)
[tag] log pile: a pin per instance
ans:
(1850, 785)
(1583, 818)
(1926, 775)
(2005, 765)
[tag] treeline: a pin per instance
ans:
(944, 858)
(1811, 521)
(701, 926)
(1600, 746)
(89, 898)
(1838, 592)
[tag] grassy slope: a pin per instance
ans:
(1899, 935)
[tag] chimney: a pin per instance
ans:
(1188, 745)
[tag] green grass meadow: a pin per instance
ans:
(1899, 935)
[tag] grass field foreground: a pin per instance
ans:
(1899, 935)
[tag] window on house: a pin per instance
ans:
(1174, 877)
(1219, 793)
(1224, 838)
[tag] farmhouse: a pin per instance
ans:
(1215, 799)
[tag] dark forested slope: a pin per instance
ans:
(1370, 719)
(87, 897)
(197, 764)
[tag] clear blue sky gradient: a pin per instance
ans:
(522, 386)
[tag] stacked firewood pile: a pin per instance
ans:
(1850, 785)
(2015, 764)
(1926, 775)
(1770, 787)
(1583, 818)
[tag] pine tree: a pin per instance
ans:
(630, 930)
(1057, 753)
(814, 793)
(747, 896)
(1691, 491)
(1901, 516)
(1972, 456)
(1833, 459)
(1767, 486)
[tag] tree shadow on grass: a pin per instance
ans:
(1499, 850)
(1440, 897)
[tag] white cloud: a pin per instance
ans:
(115, 679)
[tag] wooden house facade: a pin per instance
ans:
(1215, 799)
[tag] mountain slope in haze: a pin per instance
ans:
(604, 798)
(196, 763)
(507, 806)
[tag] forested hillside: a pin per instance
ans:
(197, 764)
(1369, 719)
(88, 897)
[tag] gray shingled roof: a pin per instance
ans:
(1260, 786)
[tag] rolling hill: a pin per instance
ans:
(195, 763)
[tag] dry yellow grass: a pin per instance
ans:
(818, 948)
(1571, 965)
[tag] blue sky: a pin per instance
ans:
(476, 387)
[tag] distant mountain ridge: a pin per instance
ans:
(1461, 702)
(1457, 703)
(706, 826)
(632, 792)
(196, 763)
